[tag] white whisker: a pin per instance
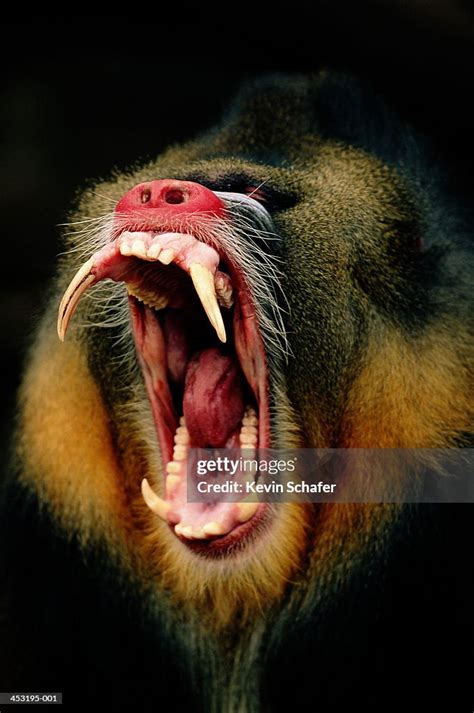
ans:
(239, 236)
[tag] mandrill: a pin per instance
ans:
(298, 277)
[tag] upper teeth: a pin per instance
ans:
(224, 289)
(203, 281)
(149, 297)
(200, 260)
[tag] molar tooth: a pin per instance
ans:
(224, 290)
(248, 439)
(203, 282)
(166, 256)
(182, 421)
(151, 299)
(249, 429)
(172, 468)
(156, 504)
(180, 453)
(182, 438)
(250, 421)
(246, 510)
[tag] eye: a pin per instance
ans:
(274, 199)
(256, 193)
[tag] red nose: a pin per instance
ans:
(169, 198)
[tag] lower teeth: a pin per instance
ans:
(175, 470)
(248, 438)
(248, 431)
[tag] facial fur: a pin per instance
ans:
(372, 289)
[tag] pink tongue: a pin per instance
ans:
(213, 402)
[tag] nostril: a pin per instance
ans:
(174, 196)
(171, 197)
(146, 195)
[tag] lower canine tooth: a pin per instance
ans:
(156, 504)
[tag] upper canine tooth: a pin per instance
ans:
(203, 281)
(78, 285)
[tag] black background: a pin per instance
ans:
(83, 94)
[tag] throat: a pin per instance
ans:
(192, 378)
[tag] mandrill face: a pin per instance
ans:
(280, 282)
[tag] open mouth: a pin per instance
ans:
(196, 330)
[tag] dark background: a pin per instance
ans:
(81, 95)
(84, 94)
